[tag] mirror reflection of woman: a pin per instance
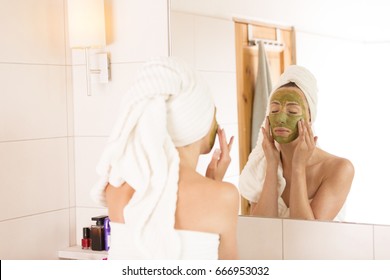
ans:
(287, 175)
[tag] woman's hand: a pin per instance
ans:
(272, 154)
(306, 144)
(221, 158)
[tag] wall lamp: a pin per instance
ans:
(86, 26)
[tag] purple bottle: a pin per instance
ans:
(107, 234)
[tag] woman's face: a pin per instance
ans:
(288, 105)
(208, 140)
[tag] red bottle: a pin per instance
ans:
(86, 241)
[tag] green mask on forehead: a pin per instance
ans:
(286, 116)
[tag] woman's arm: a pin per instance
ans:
(298, 202)
(334, 189)
(117, 198)
(267, 205)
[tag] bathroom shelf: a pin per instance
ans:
(76, 253)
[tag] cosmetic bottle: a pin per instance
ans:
(107, 234)
(86, 241)
(97, 234)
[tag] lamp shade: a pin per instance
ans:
(86, 23)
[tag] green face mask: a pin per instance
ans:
(287, 107)
(213, 135)
(214, 130)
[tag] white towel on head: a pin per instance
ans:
(252, 176)
(168, 106)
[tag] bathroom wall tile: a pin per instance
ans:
(69, 101)
(84, 216)
(87, 154)
(95, 115)
(32, 102)
(182, 37)
(68, 50)
(34, 237)
(214, 44)
(71, 172)
(136, 30)
(32, 32)
(233, 169)
(259, 238)
(215, 8)
(382, 242)
(327, 240)
(34, 177)
(223, 88)
(72, 226)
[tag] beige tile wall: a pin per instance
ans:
(309, 240)
(273, 239)
(51, 134)
(260, 239)
(34, 144)
(382, 242)
(287, 239)
(38, 236)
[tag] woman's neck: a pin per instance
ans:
(287, 152)
(189, 155)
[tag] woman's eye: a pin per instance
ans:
(274, 111)
(293, 112)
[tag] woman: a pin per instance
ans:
(286, 174)
(159, 206)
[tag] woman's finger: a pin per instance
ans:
(230, 145)
(268, 130)
(301, 131)
(223, 144)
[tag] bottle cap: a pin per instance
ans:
(86, 232)
(99, 219)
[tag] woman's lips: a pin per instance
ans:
(281, 131)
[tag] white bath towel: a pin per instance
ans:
(252, 176)
(168, 106)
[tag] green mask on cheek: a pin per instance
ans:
(286, 117)
(290, 122)
(213, 135)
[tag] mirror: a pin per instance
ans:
(348, 56)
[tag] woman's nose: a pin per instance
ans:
(281, 118)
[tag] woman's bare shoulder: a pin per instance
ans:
(205, 204)
(334, 162)
(209, 189)
(335, 166)
(224, 191)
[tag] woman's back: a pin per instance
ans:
(206, 216)
(206, 205)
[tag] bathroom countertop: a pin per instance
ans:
(76, 253)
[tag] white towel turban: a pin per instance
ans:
(168, 106)
(252, 176)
